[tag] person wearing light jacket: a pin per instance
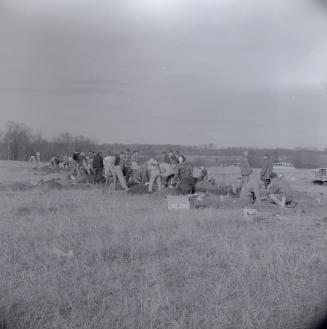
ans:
(155, 174)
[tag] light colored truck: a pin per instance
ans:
(283, 166)
(320, 176)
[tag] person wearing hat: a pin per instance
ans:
(267, 169)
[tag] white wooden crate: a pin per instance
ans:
(178, 202)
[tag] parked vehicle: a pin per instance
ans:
(320, 176)
(283, 166)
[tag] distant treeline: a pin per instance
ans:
(18, 141)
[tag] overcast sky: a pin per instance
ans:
(230, 72)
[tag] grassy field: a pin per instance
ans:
(87, 259)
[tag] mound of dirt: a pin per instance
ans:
(52, 184)
(86, 179)
(50, 170)
(19, 187)
(77, 186)
(217, 189)
(138, 189)
(205, 201)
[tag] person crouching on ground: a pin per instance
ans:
(97, 168)
(280, 191)
(187, 185)
(155, 174)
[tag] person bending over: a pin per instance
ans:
(280, 191)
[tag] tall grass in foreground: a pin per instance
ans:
(137, 265)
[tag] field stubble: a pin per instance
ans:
(125, 261)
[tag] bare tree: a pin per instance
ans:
(64, 143)
(17, 137)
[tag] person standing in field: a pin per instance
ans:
(33, 160)
(135, 166)
(155, 174)
(135, 156)
(108, 165)
(144, 173)
(184, 169)
(184, 177)
(75, 161)
(250, 183)
(165, 157)
(89, 162)
(37, 160)
(266, 170)
(97, 167)
(126, 163)
(119, 173)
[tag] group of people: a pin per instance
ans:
(277, 189)
(167, 170)
(171, 169)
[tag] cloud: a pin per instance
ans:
(228, 71)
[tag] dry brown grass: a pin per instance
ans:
(137, 265)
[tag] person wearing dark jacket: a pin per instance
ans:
(126, 163)
(184, 177)
(165, 157)
(75, 159)
(187, 185)
(266, 170)
(97, 167)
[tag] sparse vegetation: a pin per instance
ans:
(128, 262)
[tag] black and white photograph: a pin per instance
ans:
(163, 164)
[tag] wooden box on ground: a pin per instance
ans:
(178, 202)
(250, 213)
